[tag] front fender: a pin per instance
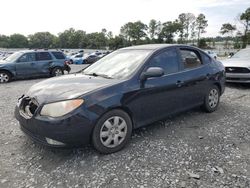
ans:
(9, 68)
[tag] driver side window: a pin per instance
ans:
(29, 57)
(167, 60)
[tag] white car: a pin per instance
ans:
(212, 54)
(238, 67)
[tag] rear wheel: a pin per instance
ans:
(112, 132)
(57, 71)
(5, 77)
(212, 99)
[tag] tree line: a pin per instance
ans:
(187, 28)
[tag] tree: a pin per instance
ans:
(169, 29)
(4, 41)
(190, 20)
(245, 21)
(18, 41)
(227, 29)
(117, 42)
(78, 39)
(42, 40)
(237, 43)
(153, 29)
(193, 31)
(110, 35)
(134, 31)
(73, 39)
(182, 20)
(96, 40)
(202, 43)
(201, 24)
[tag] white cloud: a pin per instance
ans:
(29, 16)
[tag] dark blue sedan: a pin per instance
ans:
(32, 63)
(127, 89)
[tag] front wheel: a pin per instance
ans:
(212, 99)
(5, 77)
(112, 132)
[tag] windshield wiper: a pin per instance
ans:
(100, 75)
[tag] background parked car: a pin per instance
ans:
(212, 54)
(89, 59)
(238, 67)
(76, 58)
(32, 63)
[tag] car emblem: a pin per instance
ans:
(230, 69)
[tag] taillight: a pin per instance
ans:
(67, 62)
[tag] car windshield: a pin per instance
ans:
(242, 54)
(14, 56)
(119, 64)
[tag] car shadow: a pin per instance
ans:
(187, 125)
(238, 85)
(165, 126)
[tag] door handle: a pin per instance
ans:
(207, 76)
(179, 83)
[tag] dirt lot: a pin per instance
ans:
(192, 149)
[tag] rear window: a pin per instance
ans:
(190, 58)
(58, 55)
(43, 56)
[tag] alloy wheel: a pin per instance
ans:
(213, 98)
(4, 77)
(58, 72)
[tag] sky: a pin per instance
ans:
(30, 16)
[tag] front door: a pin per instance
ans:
(161, 96)
(26, 65)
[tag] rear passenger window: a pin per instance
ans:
(190, 58)
(58, 55)
(167, 60)
(79, 56)
(43, 56)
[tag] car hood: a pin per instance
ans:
(67, 87)
(236, 62)
(3, 61)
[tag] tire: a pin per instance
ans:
(57, 71)
(5, 77)
(212, 99)
(112, 132)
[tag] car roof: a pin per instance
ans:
(152, 46)
(39, 50)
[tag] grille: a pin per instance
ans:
(29, 106)
(237, 70)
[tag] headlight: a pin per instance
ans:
(58, 109)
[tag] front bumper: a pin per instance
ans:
(74, 130)
(238, 77)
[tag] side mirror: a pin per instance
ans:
(152, 72)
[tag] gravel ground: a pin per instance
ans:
(192, 149)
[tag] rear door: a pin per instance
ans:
(26, 65)
(195, 76)
(43, 63)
